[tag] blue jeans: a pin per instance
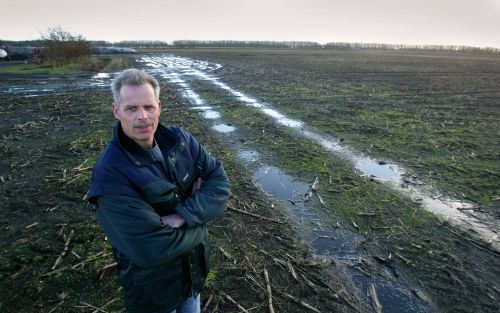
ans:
(191, 305)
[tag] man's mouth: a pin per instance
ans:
(142, 126)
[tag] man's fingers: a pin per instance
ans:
(173, 220)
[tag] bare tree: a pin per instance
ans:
(62, 47)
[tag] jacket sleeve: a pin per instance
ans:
(209, 202)
(133, 228)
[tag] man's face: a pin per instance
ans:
(138, 113)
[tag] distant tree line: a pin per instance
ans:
(406, 47)
(130, 44)
(330, 45)
(251, 44)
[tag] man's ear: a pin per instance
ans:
(114, 108)
(159, 107)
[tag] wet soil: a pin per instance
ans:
(54, 257)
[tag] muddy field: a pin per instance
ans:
(355, 239)
(54, 258)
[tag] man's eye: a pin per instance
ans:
(132, 109)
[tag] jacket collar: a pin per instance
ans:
(164, 138)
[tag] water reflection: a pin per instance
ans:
(377, 170)
(223, 128)
(211, 114)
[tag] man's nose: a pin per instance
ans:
(142, 114)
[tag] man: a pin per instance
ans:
(155, 188)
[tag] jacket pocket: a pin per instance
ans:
(162, 286)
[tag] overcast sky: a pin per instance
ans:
(457, 22)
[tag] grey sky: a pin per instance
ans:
(459, 22)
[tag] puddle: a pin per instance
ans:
(100, 76)
(211, 114)
(277, 184)
(333, 242)
(203, 108)
(374, 169)
(34, 90)
(180, 71)
(248, 155)
(224, 128)
(99, 80)
(37, 88)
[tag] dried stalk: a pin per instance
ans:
(373, 294)
(242, 309)
(278, 261)
(421, 296)
(250, 263)
(309, 283)
(98, 255)
(108, 303)
(292, 271)
(207, 303)
(302, 303)
(93, 307)
(65, 251)
(403, 258)
(31, 225)
(256, 215)
(269, 291)
(56, 306)
(102, 271)
(227, 255)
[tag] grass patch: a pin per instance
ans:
(92, 64)
(72, 68)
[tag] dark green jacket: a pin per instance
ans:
(158, 266)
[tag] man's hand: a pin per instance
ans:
(173, 220)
